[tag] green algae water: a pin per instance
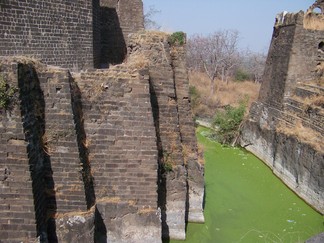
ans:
(246, 203)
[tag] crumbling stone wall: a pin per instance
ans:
(121, 142)
(286, 109)
(95, 155)
(108, 153)
(195, 179)
(47, 139)
(181, 185)
(17, 192)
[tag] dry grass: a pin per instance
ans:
(201, 159)
(138, 61)
(230, 93)
(146, 211)
(188, 153)
(90, 212)
(318, 101)
(110, 200)
(311, 101)
(303, 134)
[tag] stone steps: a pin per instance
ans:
(311, 116)
(308, 90)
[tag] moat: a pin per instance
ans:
(245, 202)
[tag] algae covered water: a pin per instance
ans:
(246, 203)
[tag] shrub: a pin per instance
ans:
(178, 38)
(227, 122)
(6, 93)
(241, 75)
(194, 97)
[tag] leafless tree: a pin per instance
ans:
(231, 53)
(215, 54)
(149, 23)
(257, 65)
(253, 63)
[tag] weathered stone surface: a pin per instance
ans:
(316, 239)
(76, 227)
(181, 183)
(126, 224)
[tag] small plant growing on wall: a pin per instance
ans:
(178, 38)
(7, 94)
(167, 163)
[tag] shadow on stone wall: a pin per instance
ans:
(32, 109)
(96, 33)
(113, 45)
(82, 143)
(100, 234)
(162, 191)
(100, 230)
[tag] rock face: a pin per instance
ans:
(316, 239)
(285, 126)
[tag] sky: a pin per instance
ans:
(254, 19)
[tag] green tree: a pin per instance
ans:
(227, 122)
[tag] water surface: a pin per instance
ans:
(246, 203)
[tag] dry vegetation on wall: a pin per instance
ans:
(303, 134)
(230, 93)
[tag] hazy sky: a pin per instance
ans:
(254, 19)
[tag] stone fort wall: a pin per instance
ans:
(86, 152)
(76, 34)
(58, 32)
(289, 106)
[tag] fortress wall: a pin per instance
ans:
(172, 173)
(278, 60)
(306, 56)
(57, 32)
(121, 142)
(181, 185)
(276, 120)
(118, 20)
(120, 135)
(17, 189)
(130, 14)
(101, 150)
(46, 150)
(188, 138)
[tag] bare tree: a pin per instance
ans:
(149, 23)
(215, 54)
(253, 63)
(256, 65)
(231, 54)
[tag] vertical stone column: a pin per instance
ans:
(173, 174)
(19, 220)
(195, 179)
